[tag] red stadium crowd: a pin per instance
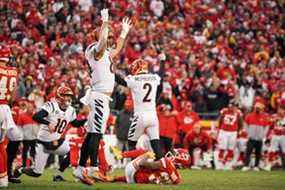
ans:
(207, 52)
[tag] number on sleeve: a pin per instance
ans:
(149, 88)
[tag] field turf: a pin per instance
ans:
(191, 180)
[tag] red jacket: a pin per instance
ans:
(168, 126)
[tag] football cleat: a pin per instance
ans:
(30, 172)
(13, 179)
(82, 175)
(58, 178)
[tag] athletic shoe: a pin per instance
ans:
(30, 172)
(4, 181)
(245, 168)
(267, 168)
(95, 174)
(14, 179)
(82, 175)
(117, 153)
(58, 178)
(256, 169)
(196, 167)
(18, 172)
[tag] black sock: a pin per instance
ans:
(84, 154)
(155, 145)
(132, 145)
(12, 149)
(93, 147)
(64, 163)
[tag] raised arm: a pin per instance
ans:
(126, 26)
(103, 34)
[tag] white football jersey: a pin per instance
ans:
(58, 117)
(144, 89)
(103, 77)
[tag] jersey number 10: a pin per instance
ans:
(60, 126)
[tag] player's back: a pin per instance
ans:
(103, 78)
(144, 90)
(8, 81)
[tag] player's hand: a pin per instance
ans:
(104, 15)
(126, 26)
(51, 128)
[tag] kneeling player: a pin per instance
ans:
(54, 117)
(144, 169)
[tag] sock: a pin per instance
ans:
(133, 153)
(84, 152)
(74, 155)
(155, 145)
(3, 160)
(12, 149)
(103, 166)
(241, 156)
(229, 155)
(221, 154)
(93, 147)
(271, 156)
(64, 163)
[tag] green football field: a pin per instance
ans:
(193, 180)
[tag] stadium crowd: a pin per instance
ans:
(208, 53)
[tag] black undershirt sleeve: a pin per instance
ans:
(78, 123)
(39, 117)
(120, 80)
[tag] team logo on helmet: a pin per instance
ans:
(138, 66)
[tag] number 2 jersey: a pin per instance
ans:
(144, 90)
(57, 117)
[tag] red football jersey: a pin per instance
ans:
(278, 122)
(167, 174)
(8, 81)
(229, 119)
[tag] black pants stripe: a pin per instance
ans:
(253, 145)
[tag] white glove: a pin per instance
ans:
(104, 15)
(126, 26)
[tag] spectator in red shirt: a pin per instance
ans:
(257, 126)
(196, 138)
(187, 118)
(168, 127)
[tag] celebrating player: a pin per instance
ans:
(144, 87)
(99, 57)
(54, 117)
(230, 122)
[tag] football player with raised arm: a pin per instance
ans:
(99, 58)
